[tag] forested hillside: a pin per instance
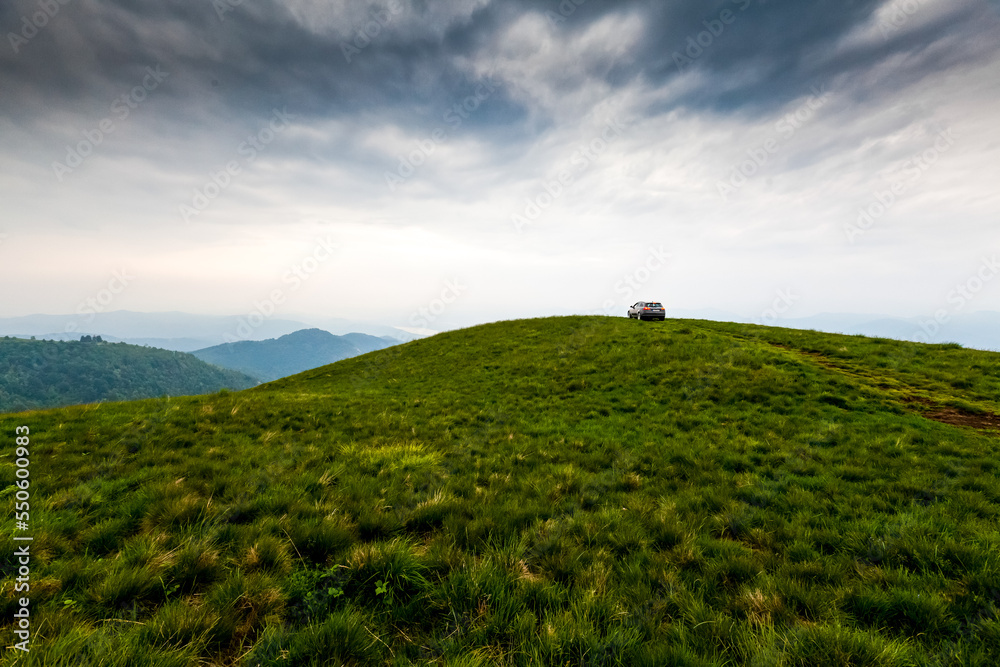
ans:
(45, 374)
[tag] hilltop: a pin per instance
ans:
(292, 353)
(42, 374)
(582, 490)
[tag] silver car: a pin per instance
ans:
(647, 310)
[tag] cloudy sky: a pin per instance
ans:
(438, 163)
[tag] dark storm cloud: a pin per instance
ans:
(246, 58)
(757, 55)
(405, 63)
(700, 86)
(252, 55)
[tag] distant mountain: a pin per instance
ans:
(980, 330)
(184, 332)
(340, 326)
(163, 329)
(290, 354)
(44, 374)
(175, 344)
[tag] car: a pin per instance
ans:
(647, 310)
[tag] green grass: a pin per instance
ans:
(578, 490)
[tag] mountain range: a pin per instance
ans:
(44, 374)
(186, 332)
(292, 353)
(183, 332)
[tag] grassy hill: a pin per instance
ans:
(42, 373)
(292, 353)
(578, 490)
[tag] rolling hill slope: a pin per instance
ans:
(576, 490)
(292, 353)
(41, 374)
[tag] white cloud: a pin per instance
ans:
(555, 69)
(655, 184)
(381, 19)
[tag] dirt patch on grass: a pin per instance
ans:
(956, 417)
(947, 414)
(925, 406)
(922, 400)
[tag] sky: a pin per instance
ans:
(434, 164)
